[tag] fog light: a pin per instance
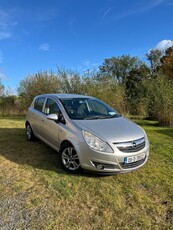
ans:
(100, 166)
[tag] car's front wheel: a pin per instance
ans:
(29, 133)
(69, 159)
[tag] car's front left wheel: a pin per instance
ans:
(69, 159)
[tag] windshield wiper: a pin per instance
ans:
(92, 118)
(101, 117)
(111, 116)
(107, 116)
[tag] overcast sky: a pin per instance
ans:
(78, 34)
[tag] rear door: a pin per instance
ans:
(37, 115)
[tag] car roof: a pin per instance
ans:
(64, 96)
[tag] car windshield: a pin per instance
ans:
(87, 109)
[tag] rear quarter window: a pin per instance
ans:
(38, 104)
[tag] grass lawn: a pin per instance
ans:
(35, 193)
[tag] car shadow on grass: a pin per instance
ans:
(35, 154)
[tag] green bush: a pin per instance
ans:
(40, 83)
(160, 93)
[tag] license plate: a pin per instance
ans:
(132, 159)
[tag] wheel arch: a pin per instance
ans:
(73, 145)
(65, 142)
(31, 137)
(26, 123)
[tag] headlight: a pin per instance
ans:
(96, 143)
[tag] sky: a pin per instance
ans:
(77, 34)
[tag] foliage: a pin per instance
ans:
(135, 90)
(167, 63)
(40, 83)
(160, 96)
(129, 72)
(69, 81)
(110, 92)
(120, 68)
(154, 57)
(9, 105)
(1, 88)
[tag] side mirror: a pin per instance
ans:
(52, 117)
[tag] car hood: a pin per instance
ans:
(112, 130)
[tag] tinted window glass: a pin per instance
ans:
(39, 102)
(97, 107)
(51, 107)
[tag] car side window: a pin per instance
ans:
(38, 104)
(51, 107)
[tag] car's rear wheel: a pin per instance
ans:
(69, 159)
(29, 133)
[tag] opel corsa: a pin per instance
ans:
(87, 133)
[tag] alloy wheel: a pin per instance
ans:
(70, 159)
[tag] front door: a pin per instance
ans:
(51, 129)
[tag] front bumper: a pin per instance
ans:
(100, 162)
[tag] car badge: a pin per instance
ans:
(134, 144)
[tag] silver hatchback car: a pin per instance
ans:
(87, 133)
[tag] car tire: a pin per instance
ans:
(69, 159)
(29, 133)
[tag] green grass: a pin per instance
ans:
(35, 193)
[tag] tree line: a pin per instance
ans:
(128, 84)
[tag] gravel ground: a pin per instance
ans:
(15, 215)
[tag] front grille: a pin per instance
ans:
(131, 146)
(132, 165)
